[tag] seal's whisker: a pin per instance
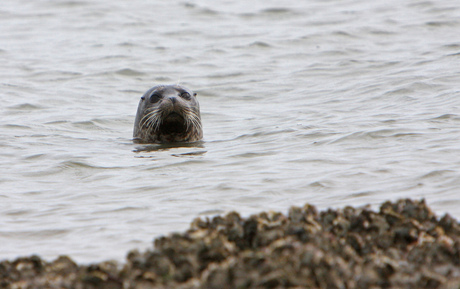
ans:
(154, 122)
(145, 121)
(157, 122)
(148, 116)
(148, 113)
(192, 119)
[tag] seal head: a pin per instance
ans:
(166, 114)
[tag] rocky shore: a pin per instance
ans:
(403, 245)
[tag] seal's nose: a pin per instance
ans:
(173, 99)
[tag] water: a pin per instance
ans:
(329, 102)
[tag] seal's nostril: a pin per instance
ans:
(173, 99)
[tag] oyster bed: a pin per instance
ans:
(403, 245)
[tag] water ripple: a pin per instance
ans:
(300, 101)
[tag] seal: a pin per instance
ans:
(168, 114)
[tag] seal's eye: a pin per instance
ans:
(155, 97)
(185, 95)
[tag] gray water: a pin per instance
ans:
(333, 103)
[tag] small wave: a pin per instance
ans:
(437, 174)
(16, 126)
(212, 212)
(264, 133)
(129, 72)
(36, 234)
(249, 155)
(77, 165)
(318, 185)
(260, 44)
(123, 209)
(190, 154)
(277, 10)
(90, 125)
(447, 116)
(441, 23)
(377, 134)
(35, 156)
(25, 107)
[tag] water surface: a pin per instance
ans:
(333, 103)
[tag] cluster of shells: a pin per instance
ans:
(403, 245)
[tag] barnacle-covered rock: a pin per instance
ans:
(403, 245)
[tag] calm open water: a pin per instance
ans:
(333, 103)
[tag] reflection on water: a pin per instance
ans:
(166, 146)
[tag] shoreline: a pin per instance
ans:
(402, 245)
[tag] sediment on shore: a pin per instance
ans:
(403, 245)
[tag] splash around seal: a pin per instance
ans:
(168, 114)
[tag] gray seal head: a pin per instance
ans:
(167, 114)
